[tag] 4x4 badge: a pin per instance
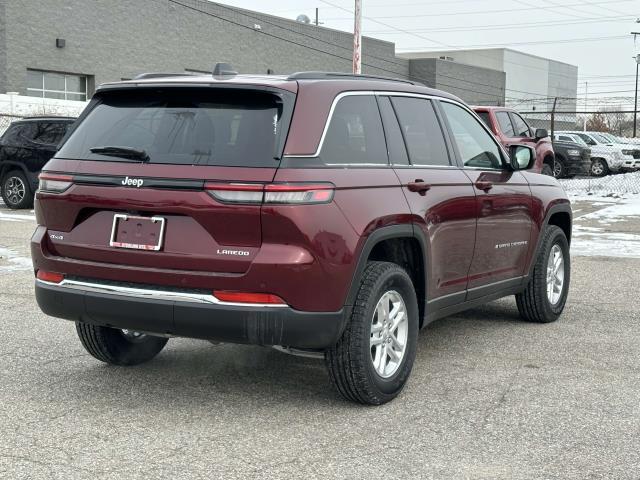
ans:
(137, 182)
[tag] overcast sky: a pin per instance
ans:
(592, 34)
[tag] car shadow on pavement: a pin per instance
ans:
(190, 372)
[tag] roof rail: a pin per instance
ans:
(144, 76)
(344, 76)
(48, 117)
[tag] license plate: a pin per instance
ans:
(139, 233)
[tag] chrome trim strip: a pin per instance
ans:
(395, 94)
(166, 295)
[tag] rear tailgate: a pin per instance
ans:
(119, 207)
(200, 232)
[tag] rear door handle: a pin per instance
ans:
(484, 185)
(419, 186)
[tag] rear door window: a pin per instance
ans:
(224, 127)
(355, 135)
(395, 142)
(421, 131)
(506, 127)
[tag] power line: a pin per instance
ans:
(477, 12)
(412, 77)
(514, 26)
(449, 47)
(539, 42)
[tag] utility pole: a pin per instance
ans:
(357, 38)
(635, 104)
(317, 23)
(586, 85)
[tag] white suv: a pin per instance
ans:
(606, 156)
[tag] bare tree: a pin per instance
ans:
(597, 122)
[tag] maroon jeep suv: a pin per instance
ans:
(323, 214)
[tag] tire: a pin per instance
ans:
(547, 170)
(350, 362)
(558, 169)
(118, 347)
(534, 303)
(16, 192)
(599, 168)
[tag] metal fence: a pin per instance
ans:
(5, 121)
(615, 122)
(609, 135)
(613, 186)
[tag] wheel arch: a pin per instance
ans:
(559, 215)
(9, 166)
(400, 244)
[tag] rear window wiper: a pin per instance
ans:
(122, 152)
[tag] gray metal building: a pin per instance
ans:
(64, 48)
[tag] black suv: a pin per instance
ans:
(571, 158)
(25, 147)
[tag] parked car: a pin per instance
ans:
(25, 147)
(511, 129)
(606, 157)
(572, 158)
(631, 148)
(325, 214)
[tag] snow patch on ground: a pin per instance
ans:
(599, 240)
(16, 217)
(11, 261)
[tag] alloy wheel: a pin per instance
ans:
(597, 168)
(14, 190)
(389, 334)
(555, 274)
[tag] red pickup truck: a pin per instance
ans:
(511, 129)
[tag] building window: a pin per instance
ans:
(56, 85)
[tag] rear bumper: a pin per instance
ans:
(192, 317)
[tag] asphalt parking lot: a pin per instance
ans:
(490, 396)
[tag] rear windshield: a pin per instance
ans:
(184, 127)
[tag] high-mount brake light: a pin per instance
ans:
(244, 297)
(273, 193)
(51, 277)
(54, 183)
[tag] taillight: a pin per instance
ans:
(243, 297)
(54, 183)
(235, 192)
(51, 277)
(292, 193)
(274, 193)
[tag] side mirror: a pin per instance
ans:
(541, 133)
(521, 157)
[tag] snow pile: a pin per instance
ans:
(609, 187)
(600, 240)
